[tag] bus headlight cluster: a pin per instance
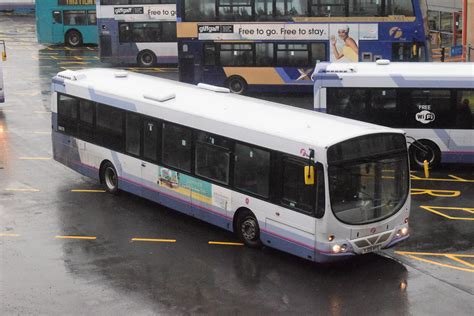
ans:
(339, 248)
(402, 232)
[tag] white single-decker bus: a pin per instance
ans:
(432, 102)
(317, 186)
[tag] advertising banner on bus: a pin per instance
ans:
(345, 37)
(163, 12)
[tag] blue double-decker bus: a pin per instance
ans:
(70, 22)
(273, 45)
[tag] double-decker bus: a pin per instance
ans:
(273, 45)
(314, 185)
(432, 102)
(139, 32)
(70, 22)
(3, 53)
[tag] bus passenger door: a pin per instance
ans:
(186, 64)
(149, 168)
(57, 27)
(294, 221)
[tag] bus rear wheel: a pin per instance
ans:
(425, 150)
(237, 85)
(146, 58)
(73, 38)
(109, 178)
(248, 230)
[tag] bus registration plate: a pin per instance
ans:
(371, 249)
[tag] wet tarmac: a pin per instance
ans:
(68, 248)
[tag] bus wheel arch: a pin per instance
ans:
(246, 227)
(418, 156)
(73, 38)
(109, 177)
(236, 84)
(146, 58)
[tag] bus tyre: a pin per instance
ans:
(73, 38)
(109, 178)
(146, 58)
(237, 85)
(431, 153)
(248, 230)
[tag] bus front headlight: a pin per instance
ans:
(336, 248)
(404, 231)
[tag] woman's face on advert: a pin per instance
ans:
(342, 34)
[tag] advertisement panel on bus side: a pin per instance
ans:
(161, 12)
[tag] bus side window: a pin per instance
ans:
(109, 127)
(252, 170)
(74, 17)
(177, 143)
(132, 134)
(212, 159)
(57, 17)
(465, 109)
(67, 114)
(383, 108)
(86, 120)
(125, 32)
(91, 18)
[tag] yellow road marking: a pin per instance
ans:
(154, 240)
(35, 158)
(88, 191)
(73, 63)
(454, 257)
(9, 235)
(21, 190)
(451, 179)
(432, 209)
(441, 264)
(434, 254)
(77, 237)
(437, 193)
(225, 243)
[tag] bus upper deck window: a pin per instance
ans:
(57, 18)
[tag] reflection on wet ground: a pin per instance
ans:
(43, 271)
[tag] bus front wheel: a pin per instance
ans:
(247, 229)
(146, 58)
(109, 178)
(73, 38)
(237, 85)
(425, 150)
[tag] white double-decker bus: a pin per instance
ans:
(139, 32)
(316, 186)
(432, 102)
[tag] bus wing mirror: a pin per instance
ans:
(4, 56)
(309, 175)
